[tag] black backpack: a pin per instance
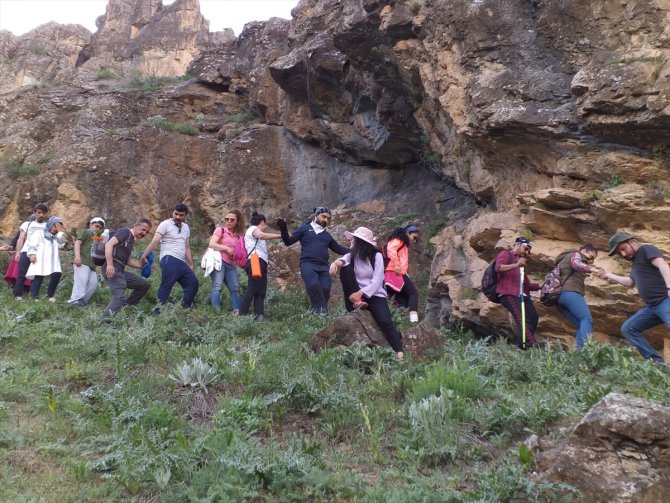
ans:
(490, 280)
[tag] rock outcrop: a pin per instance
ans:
(360, 326)
(619, 452)
(496, 118)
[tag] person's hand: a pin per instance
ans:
(32, 258)
(280, 222)
(17, 256)
(6, 248)
(77, 261)
(333, 269)
(144, 261)
(110, 271)
(191, 266)
(397, 269)
(356, 296)
(522, 262)
(601, 273)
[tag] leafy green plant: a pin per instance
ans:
(244, 117)
(592, 196)
(160, 122)
(105, 74)
(17, 169)
(194, 373)
(614, 181)
(469, 293)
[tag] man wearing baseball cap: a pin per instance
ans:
(85, 278)
(650, 274)
(512, 292)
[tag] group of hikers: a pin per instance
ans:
(650, 274)
(369, 275)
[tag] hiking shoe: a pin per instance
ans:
(52, 299)
(360, 304)
(413, 317)
(18, 299)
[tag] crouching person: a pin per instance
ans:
(118, 251)
(368, 267)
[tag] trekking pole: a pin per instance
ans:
(523, 311)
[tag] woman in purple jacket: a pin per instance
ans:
(511, 293)
(369, 271)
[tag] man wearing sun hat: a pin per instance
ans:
(650, 274)
(85, 278)
(512, 293)
(315, 241)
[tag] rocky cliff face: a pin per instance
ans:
(542, 117)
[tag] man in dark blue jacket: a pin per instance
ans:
(315, 241)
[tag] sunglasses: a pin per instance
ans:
(230, 219)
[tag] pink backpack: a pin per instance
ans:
(240, 254)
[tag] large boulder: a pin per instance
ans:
(619, 452)
(360, 326)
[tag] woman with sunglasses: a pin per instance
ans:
(512, 293)
(574, 266)
(224, 240)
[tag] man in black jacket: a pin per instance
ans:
(315, 241)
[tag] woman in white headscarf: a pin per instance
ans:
(44, 258)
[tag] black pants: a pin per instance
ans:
(407, 297)
(349, 285)
(513, 304)
(54, 279)
(378, 307)
(24, 263)
(256, 290)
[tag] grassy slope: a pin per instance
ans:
(89, 413)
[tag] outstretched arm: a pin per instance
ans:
(287, 238)
(154, 242)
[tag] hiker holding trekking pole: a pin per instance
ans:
(513, 289)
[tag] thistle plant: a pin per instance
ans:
(195, 373)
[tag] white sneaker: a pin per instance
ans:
(52, 299)
(18, 299)
(413, 317)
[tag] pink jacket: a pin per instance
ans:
(398, 253)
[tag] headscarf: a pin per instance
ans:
(50, 223)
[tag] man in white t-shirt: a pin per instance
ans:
(26, 230)
(176, 259)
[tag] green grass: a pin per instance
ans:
(94, 413)
(17, 169)
(158, 121)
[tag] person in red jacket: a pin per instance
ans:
(396, 278)
(511, 292)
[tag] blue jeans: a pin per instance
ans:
(573, 307)
(644, 319)
(227, 275)
(174, 271)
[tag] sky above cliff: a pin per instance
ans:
(21, 16)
